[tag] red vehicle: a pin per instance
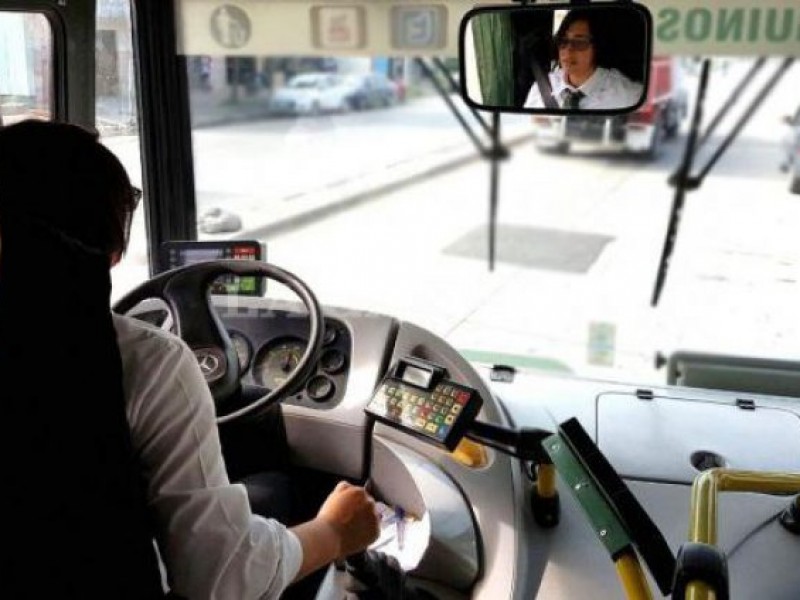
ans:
(640, 132)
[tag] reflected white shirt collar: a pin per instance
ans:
(589, 86)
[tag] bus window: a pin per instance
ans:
(117, 120)
(26, 67)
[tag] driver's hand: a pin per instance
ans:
(350, 511)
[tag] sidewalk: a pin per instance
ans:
(211, 108)
(323, 203)
(447, 152)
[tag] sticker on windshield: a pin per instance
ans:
(230, 26)
(602, 337)
(338, 27)
(419, 27)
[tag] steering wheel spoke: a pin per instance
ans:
(186, 292)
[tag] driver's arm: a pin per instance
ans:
(212, 544)
(347, 523)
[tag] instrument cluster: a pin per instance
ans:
(270, 348)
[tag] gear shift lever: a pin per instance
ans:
(383, 575)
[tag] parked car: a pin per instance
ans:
(311, 93)
(371, 90)
(641, 132)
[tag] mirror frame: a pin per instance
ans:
(647, 18)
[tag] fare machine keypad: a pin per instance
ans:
(418, 398)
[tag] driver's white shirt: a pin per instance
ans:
(606, 88)
(212, 545)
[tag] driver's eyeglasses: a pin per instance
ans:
(579, 44)
(136, 195)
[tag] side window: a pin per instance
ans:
(26, 67)
(117, 120)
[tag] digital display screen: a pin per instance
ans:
(435, 415)
(417, 376)
(180, 254)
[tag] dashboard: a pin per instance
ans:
(270, 343)
(476, 536)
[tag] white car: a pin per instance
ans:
(311, 93)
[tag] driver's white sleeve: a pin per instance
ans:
(212, 545)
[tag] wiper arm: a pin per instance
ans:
(682, 183)
(683, 180)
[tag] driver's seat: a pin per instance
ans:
(76, 525)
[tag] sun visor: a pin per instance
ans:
(427, 27)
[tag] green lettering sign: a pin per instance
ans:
(698, 24)
(755, 23)
(668, 24)
(719, 28)
(730, 25)
(779, 29)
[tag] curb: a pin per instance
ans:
(369, 194)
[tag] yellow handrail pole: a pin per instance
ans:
(546, 480)
(630, 573)
(703, 519)
(703, 523)
(699, 590)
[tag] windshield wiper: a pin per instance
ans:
(682, 179)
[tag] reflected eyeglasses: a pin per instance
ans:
(579, 44)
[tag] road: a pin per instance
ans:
(417, 252)
(270, 171)
(262, 170)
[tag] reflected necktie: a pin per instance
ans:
(572, 99)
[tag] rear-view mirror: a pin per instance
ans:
(556, 58)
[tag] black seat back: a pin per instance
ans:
(75, 519)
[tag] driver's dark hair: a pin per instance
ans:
(60, 174)
(597, 30)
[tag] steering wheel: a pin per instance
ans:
(186, 291)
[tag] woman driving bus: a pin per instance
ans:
(581, 78)
(143, 431)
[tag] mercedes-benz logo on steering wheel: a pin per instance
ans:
(208, 364)
(211, 361)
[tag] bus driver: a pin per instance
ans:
(65, 208)
(580, 80)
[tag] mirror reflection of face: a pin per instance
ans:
(576, 54)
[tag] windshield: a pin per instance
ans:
(382, 204)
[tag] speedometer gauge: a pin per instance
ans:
(277, 361)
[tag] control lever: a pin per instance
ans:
(380, 573)
(383, 577)
(526, 444)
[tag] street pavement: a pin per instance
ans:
(277, 174)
